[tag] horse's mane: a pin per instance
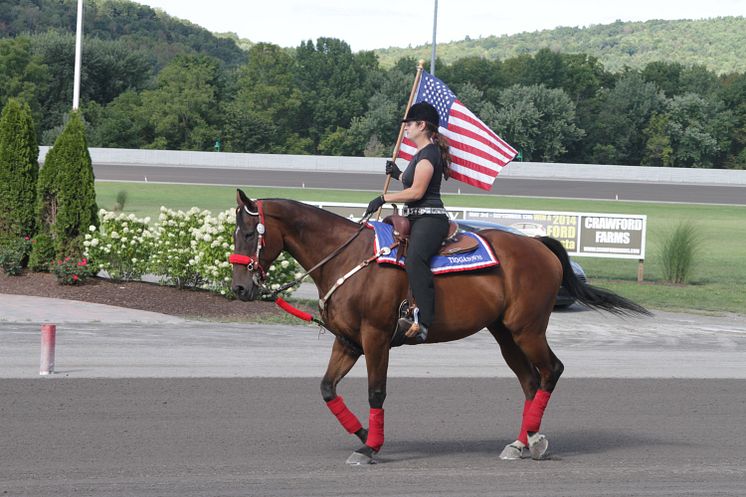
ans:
(332, 217)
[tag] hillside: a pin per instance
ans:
(138, 27)
(718, 44)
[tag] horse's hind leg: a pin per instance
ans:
(340, 363)
(528, 377)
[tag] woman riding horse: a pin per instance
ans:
(424, 208)
(513, 300)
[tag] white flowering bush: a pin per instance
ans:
(211, 244)
(283, 270)
(121, 245)
(174, 258)
(185, 249)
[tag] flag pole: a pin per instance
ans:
(420, 67)
(78, 52)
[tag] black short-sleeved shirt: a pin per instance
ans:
(431, 198)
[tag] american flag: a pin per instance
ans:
(477, 153)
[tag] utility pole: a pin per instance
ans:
(435, 29)
(78, 47)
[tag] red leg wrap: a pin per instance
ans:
(536, 411)
(346, 418)
(523, 435)
(375, 429)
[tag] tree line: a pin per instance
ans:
(321, 98)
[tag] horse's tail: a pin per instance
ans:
(588, 295)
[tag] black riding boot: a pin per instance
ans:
(406, 328)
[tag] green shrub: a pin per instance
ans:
(678, 251)
(19, 169)
(121, 201)
(42, 253)
(14, 255)
(66, 198)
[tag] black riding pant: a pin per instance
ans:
(426, 236)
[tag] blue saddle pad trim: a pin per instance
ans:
(479, 258)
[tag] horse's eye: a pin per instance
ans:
(249, 234)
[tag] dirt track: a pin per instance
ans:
(130, 412)
(274, 437)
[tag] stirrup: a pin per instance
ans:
(406, 327)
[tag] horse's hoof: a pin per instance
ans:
(538, 446)
(514, 452)
(359, 459)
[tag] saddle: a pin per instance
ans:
(454, 243)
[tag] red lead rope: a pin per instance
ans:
(292, 310)
(297, 312)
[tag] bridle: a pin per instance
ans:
(253, 265)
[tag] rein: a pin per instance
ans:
(299, 280)
(260, 275)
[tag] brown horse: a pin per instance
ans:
(512, 300)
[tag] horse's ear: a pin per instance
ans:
(242, 199)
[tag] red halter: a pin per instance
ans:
(252, 263)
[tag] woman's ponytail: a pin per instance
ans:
(443, 146)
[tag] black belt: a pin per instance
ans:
(419, 211)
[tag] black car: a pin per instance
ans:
(564, 299)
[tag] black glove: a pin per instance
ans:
(375, 204)
(393, 169)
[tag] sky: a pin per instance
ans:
(367, 25)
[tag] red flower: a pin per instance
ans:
(26, 238)
(75, 277)
(84, 261)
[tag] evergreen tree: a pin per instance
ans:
(66, 198)
(19, 169)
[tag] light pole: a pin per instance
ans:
(78, 46)
(435, 29)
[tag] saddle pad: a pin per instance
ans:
(480, 258)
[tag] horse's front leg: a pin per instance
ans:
(340, 363)
(376, 347)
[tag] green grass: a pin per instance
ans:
(717, 283)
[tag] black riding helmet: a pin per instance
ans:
(423, 111)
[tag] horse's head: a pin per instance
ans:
(254, 248)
